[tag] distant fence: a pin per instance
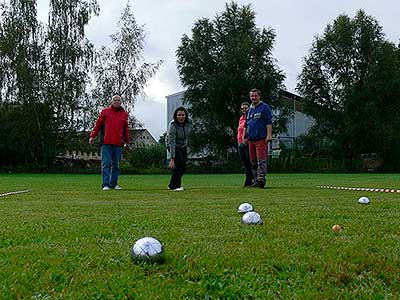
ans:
(310, 164)
(372, 161)
(79, 155)
(90, 162)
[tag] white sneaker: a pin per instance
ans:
(179, 189)
(106, 188)
(117, 187)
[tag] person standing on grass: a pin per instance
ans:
(243, 147)
(259, 133)
(113, 123)
(176, 142)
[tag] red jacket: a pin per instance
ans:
(115, 125)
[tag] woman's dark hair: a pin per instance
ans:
(243, 103)
(180, 108)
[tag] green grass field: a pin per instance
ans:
(67, 239)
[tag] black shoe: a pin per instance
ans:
(259, 184)
(248, 183)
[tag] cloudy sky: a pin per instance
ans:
(295, 22)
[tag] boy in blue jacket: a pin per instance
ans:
(259, 134)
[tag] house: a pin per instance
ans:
(298, 125)
(141, 138)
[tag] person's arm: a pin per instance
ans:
(98, 125)
(244, 138)
(268, 121)
(171, 143)
(126, 132)
(269, 134)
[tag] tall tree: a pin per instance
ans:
(343, 87)
(121, 68)
(21, 39)
(22, 74)
(219, 64)
(70, 58)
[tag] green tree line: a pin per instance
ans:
(54, 81)
(350, 82)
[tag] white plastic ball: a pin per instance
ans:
(252, 218)
(244, 208)
(363, 200)
(149, 250)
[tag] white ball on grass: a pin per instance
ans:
(244, 208)
(252, 218)
(363, 200)
(148, 250)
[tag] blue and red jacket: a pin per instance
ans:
(114, 123)
(257, 120)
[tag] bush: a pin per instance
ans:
(311, 164)
(28, 136)
(139, 160)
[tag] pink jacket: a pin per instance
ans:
(241, 129)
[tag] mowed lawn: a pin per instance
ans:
(67, 239)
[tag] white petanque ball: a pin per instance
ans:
(363, 200)
(244, 208)
(252, 218)
(148, 250)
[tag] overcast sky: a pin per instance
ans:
(295, 22)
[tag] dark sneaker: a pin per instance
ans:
(259, 184)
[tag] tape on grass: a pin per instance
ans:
(14, 193)
(360, 189)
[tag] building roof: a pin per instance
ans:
(175, 94)
(136, 132)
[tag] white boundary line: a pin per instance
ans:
(13, 193)
(359, 189)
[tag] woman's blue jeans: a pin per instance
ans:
(110, 158)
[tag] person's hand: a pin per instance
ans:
(126, 146)
(245, 141)
(172, 163)
(268, 139)
(91, 140)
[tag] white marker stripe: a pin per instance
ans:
(361, 189)
(13, 193)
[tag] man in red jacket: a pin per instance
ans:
(113, 122)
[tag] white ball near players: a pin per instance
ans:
(252, 218)
(244, 208)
